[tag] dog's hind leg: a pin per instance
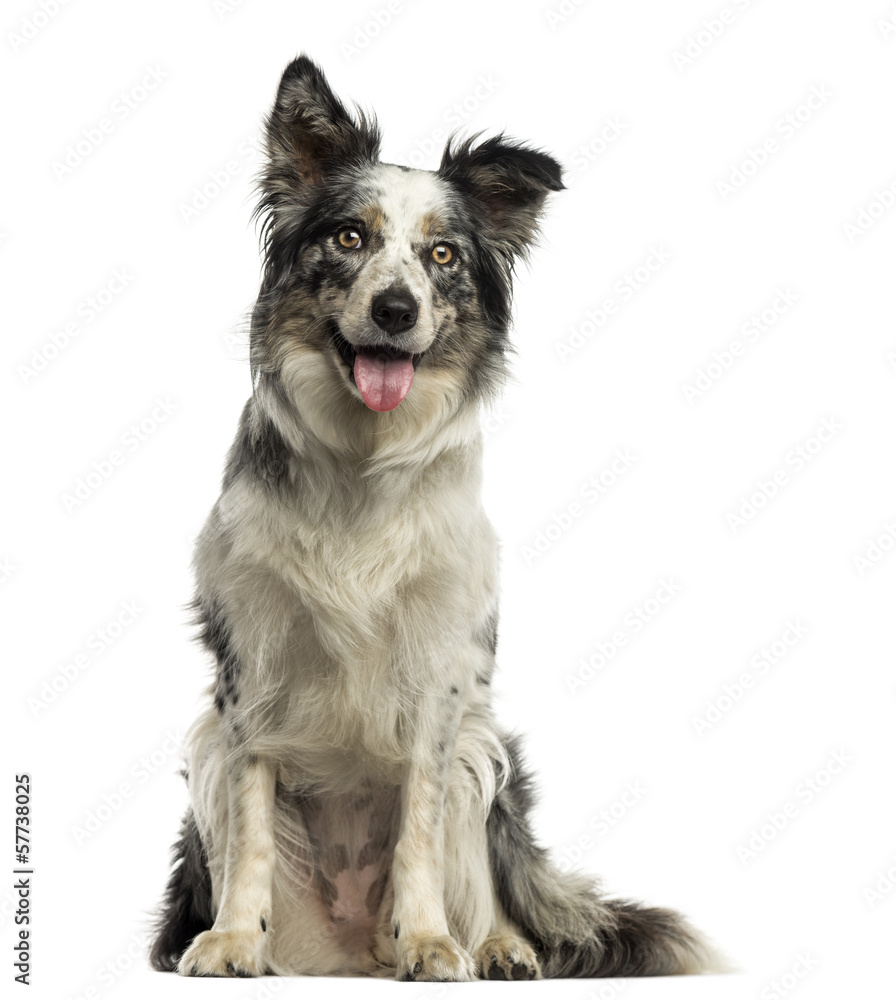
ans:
(575, 929)
(236, 943)
(475, 914)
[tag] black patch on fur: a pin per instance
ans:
(487, 639)
(239, 973)
(187, 907)
(369, 853)
(453, 689)
(258, 451)
(495, 972)
(492, 272)
(376, 891)
(327, 890)
(397, 928)
(334, 859)
(214, 634)
(264, 926)
(489, 635)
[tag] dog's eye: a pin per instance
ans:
(442, 253)
(350, 239)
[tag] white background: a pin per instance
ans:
(814, 892)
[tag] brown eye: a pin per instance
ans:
(442, 253)
(350, 239)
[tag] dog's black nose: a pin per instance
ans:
(394, 311)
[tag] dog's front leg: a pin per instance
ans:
(235, 946)
(425, 949)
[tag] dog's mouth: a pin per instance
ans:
(382, 374)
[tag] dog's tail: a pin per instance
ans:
(187, 907)
(574, 930)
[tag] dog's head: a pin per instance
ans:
(385, 284)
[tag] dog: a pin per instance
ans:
(355, 808)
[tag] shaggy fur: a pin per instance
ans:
(355, 808)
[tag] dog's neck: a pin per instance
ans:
(391, 449)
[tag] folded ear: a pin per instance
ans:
(508, 181)
(310, 133)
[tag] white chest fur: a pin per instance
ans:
(347, 615)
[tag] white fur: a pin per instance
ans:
(347, 580)
(353, 608)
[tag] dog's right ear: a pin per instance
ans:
(310, 134)
(508, 182)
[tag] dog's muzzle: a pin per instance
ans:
(382, 373)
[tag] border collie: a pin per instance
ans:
(355, 808)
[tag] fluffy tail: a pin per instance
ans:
(574, 930)
(187, 908)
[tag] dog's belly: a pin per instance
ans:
(346, 882)
(352, 838)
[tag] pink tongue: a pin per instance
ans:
(382, 381)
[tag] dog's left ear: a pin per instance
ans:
(508, 181)
(310, 134)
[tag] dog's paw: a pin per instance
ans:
(504, 956)
(435, 960)
(222, 953)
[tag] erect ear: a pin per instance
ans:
(509, 182)
(309, 131)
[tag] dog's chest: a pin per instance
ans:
(364, 564)
(365, 605)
